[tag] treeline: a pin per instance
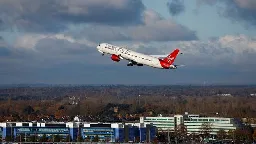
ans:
(46, 93)
(114, 108)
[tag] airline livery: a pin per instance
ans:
(138, 59)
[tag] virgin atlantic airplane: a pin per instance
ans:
(139, 59)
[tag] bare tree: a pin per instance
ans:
(221, 135)
(181, 133)
(206, 130)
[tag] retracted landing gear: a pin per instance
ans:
(130, 64)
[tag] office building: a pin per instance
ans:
(102, 132)
(161, 123)
(76, 131)
(193, 123)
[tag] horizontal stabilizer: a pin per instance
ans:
(159, 56)
(179, 65)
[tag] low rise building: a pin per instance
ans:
(76, 131)
(161, 123)
(198, 124)
(194, 123)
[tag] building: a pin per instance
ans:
(193, 123)
(76, 131)
(101, 132)
(163, 123)
(118, 132)
(24, 131)
(139, 132)
(197, 124)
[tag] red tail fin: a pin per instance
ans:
(171, 57)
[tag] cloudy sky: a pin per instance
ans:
(54, 41)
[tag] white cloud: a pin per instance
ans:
(229, 49)
(29, 41)
(223, 54)
(235, 50)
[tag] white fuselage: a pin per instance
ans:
(129, 55)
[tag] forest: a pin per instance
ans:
(124, 103)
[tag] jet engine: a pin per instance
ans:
(115, 58)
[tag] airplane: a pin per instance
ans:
(117, 53)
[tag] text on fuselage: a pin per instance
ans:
(118, 49)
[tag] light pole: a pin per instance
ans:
(139, 100)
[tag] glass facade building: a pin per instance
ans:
(76, 131)
(103, 132)
(128, 132)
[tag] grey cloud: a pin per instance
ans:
(54, 60)
(4, 51)
(176, 7)
(235, 50)
(114, 20)
(155, 28)
(1, 24)
(54, 15)
(236, 10)
(162, 31)
(100, 33)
